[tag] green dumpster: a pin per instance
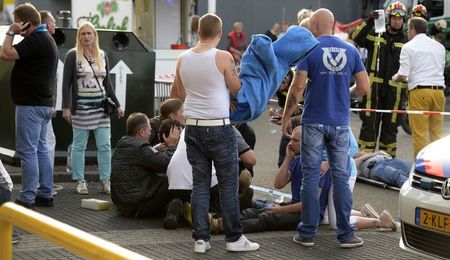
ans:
(132, 65)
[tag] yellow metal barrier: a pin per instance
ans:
(68, 237)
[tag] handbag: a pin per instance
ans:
(107, 103)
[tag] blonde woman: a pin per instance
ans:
(86, 84)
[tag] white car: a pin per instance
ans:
(425, 203)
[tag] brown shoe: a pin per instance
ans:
(387, 222)
(369, 212)
(216, 226)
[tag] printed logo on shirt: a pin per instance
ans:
(334, 59)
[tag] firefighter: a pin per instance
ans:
(382, 63)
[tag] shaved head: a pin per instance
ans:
(322, 22)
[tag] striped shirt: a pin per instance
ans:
(90, 114)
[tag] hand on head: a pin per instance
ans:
(173, 137)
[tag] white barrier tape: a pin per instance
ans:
(414, 112)
(166, 76)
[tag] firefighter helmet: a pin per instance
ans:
(419, 11)
(396, 9)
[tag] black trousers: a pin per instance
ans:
(155, 206)
(380, 129)
(258, 220)
(214, 201)
(5, 193)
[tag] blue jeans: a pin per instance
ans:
(394, 172)
(31, 135)
(205, 145)
(103, 143)
(316, 137)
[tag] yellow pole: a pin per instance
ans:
(66, 236)
(5, 240)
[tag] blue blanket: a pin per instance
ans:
(263, 67)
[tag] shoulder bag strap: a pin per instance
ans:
(95, 75)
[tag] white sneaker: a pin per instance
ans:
(106, 186)
(82, 187)
(242, 245)
(201, 246)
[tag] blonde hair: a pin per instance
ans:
(80, 49)
(302, 14)
(305, 23)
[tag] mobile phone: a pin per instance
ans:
(26, 24)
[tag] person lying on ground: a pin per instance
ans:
(380, 166)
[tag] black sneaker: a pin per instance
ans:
(307, 242)
(16, 237)
(352, 242)
(43, 202)
(25, 204)
(173, 215)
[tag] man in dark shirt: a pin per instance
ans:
(139, 186)
(32, 83)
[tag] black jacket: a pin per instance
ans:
(137, 171)
(389, 51)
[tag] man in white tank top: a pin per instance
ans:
(205, 78)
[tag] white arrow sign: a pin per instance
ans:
(121, 70)
(59, 79)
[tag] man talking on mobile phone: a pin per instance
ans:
(32, 82)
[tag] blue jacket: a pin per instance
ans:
(263, 67)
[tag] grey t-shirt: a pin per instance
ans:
(242, 145)
(368, 164)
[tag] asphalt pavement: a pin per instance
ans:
(147, 237)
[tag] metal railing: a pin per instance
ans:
(66, 236)
(162, 92)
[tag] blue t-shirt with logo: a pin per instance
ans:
(295, 167)
(330, 68)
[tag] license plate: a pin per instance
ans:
(433, 220)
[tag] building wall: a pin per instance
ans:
(259, 15)
(52, 5)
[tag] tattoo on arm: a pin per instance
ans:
(233, 69)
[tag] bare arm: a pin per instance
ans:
(294, 208)
(283, 176)
(294, 96)
(177, 89)
(248, 158)
(362, 85)
(226, 64)
(7, 51)
(362, 158)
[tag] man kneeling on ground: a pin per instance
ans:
(139, 186)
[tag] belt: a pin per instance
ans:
(429, 87)
(207, 122)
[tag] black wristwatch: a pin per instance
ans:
(10, 33)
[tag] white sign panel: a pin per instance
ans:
(104, 14)
(121, 70)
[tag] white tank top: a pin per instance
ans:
(207, 95)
